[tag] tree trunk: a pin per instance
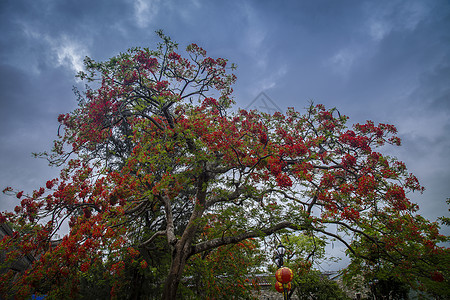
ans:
(182, 249)
(171, 286)
(179, 258)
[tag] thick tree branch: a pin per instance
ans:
(211, 244)
(155, 235)
(170, 230)
(139, 207)
(342, 241)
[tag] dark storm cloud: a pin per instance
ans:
(29, 108)
(69, 17)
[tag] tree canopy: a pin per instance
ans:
(156, 159)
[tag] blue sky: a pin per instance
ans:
(387, 61)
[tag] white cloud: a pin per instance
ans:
(426, 135)
(399, 16)
(145, 11)
(69, 53)
(268, 72)
(254, 36)
(424, 126)
(196, 3)
(343, 60)
(382, 20)
(271, 81)
(378, 30)
(413, 14)
(64, 51)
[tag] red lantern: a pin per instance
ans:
(284, 275)
(279, 286)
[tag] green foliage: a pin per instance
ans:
(223, 273)
(304, 247)
(389, 288)
(407, 259)
(446, 220)
(313, 285)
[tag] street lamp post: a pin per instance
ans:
(280, 252)
(373, 287)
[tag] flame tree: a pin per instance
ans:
(153, 155)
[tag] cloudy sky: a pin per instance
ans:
(387, 61)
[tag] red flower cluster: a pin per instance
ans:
(396, 195)
(130, 78)
(143, 264)
(149, 63)
(174, 56)
(85, 266)
(437, 276)
(366, 185)
(328, 180)
(348, 161)
(355, 141)
(118, 267)
(350, 214)
(283, 180)
(195, 49)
